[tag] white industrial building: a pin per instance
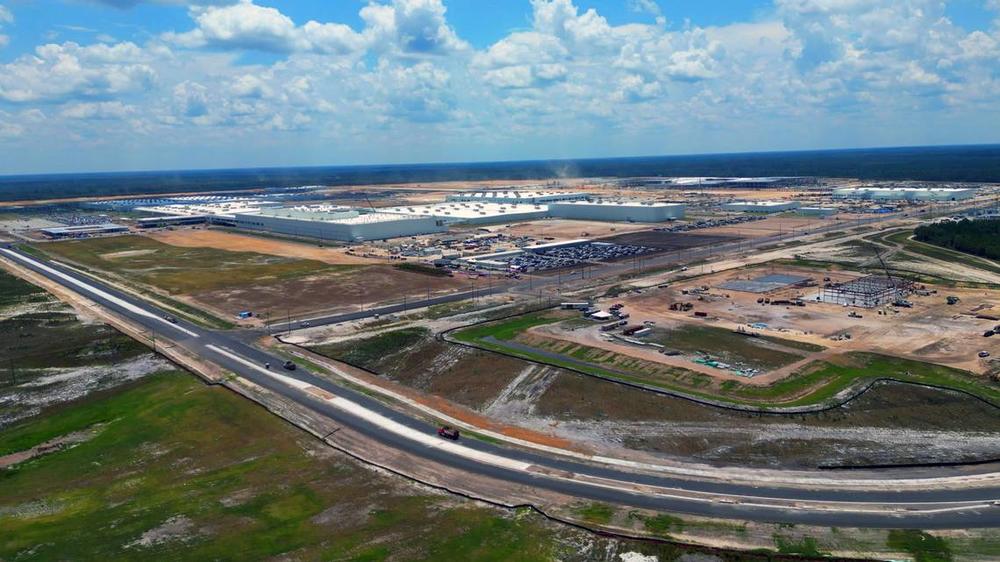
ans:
(518, 197)
(472, 212)
(334, 223)
(760, 206)
(208, 208)
(905, 193)
(818, 211)
(618, 211)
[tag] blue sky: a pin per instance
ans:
(154, 84)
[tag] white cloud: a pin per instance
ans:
(246, 25)
(190, 99)
(412, 27)
(404, 83)
(98, 110)
(64, 71)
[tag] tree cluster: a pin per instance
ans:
(976, 237)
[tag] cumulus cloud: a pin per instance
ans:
(405, 27)
(404, 72)
(246, 25)
(63, 71)
(648, 7)
(416, 27)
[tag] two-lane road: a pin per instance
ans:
(806, 498)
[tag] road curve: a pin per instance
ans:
(883, 507)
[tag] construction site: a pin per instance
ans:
(728, 337)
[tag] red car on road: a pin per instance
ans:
(448, 432)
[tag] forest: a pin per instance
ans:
(976, 237)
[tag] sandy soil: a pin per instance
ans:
(201, 238)
(333, 292)
(562, 229)
(767, 227)
(931, 331)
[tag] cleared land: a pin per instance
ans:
(813, 384)
(770, 226)
(413, 357)
(182, 270)
(227, 282)
(235, 242)
(889, 424)
(670, 241)
(564, 229)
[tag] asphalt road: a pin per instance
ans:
(911, 508)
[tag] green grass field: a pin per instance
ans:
(15, 291)
(182, 270)
(234, 482)
(367, 352)
(815, 384)
(57, 339)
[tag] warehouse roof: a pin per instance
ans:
(619, 203)
(466, 210)
(517, 194)
(332, 214)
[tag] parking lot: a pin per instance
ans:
(569, 256)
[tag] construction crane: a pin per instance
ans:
(898, 299)
(878, 254)
(367, 200)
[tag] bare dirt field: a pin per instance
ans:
(669, 241)
(768, 227)
(202, 238)
(563, 229)
(348, 289)
(931, 331)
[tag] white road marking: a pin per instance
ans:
(428, 440)
(381, 421)
(124, 304)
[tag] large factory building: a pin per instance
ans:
(341, 225)
(460, 212)
(905, 193)
(623, 211)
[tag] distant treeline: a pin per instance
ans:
(976, 237)
(954, 163)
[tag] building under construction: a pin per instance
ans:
(867, 292)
